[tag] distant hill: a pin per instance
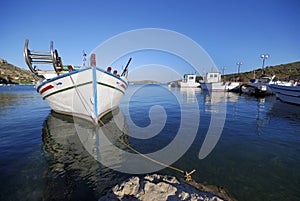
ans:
(282, 71)
(144, 82)
(10, 74)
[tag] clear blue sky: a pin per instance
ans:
(230, 31)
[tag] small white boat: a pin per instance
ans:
(173, 84)
(189, 81)
(87, 92)
(275, 80)
(260, 86)
(212, 82)
(285, 93)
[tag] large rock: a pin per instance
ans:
(158, 188)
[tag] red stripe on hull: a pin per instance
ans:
(46, 88)
(123, 86)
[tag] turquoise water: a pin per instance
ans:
(257, 156)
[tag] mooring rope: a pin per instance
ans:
(187, 175)
(216, 190)
(83, 102)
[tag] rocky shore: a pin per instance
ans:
(161, 188)
(10, 74)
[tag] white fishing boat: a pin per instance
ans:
(189, 81)
(285, 93)
(86, 92)
(212, 82)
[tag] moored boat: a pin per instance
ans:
(289, 94)
(212, 82)
(189, 81)
(86, 92)
(257, 87)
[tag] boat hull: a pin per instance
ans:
(188, 85)
(88, 93)
(289, 94)
(256, 89)
(220, 86)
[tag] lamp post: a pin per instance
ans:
(264, 57)
(239, 66)
(253, 73)
(223, 70)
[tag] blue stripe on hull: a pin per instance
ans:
(95, 92)
(110, 74)
(61, 76)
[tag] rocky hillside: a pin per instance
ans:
(10, 74)
(288, 71)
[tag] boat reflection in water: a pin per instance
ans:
(211, 98)
(72, 172)
(189, 94)
(281, 110)
(215, 102)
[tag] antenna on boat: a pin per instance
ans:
(84, 57)
(125, 69)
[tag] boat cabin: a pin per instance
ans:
(189, 78)
(212, 77)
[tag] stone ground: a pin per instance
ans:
(163, 188)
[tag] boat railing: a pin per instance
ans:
(41, 57)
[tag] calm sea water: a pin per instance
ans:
(257, 156)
